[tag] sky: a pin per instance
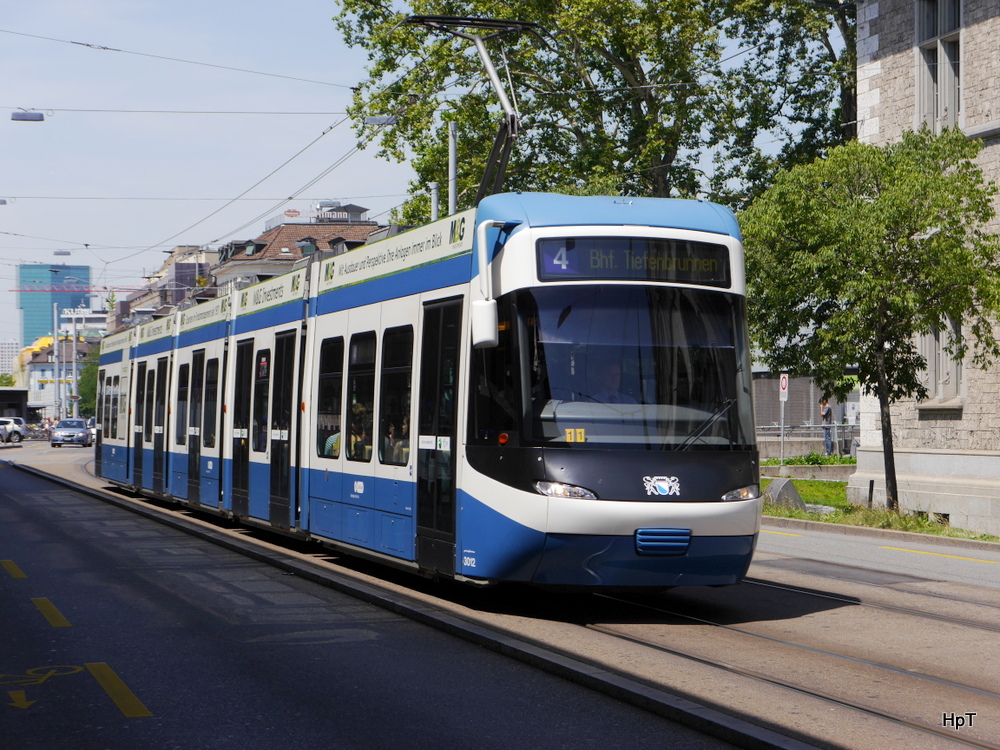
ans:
(142, 150)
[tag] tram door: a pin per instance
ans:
(138, 413)
(159, 421)
(282, 416)
(436, 447)
(243, 377)
(194, 426)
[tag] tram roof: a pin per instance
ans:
(554, 209)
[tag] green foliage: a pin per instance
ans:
(6, 380)
(834, 495)
(819, 491)
(851, 257)
(87, 383)
(798, 83)
(630, 98)
(812, 459)
(878, 519)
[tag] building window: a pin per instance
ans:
(943, 376)
(939, 91)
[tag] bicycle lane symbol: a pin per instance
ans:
(112, 684)
(32, 677)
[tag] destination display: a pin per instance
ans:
(633, 259)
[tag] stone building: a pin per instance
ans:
(935, 62)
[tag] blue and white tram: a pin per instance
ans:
(546, 389)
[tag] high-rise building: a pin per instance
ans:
(9, 349)
(62, 285)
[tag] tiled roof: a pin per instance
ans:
(286, 235)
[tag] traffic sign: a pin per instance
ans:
(783, 386)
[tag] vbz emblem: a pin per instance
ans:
(662, 485)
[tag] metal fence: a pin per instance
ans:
(802, 439)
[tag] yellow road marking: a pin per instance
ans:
(53, 615)
(782, 533)
(12, 570)
(118, 691)
(938, 554)
(19, 699)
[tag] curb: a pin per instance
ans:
(910, 536)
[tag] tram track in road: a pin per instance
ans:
(913, 611)
(773, 678)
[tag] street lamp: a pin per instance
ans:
(25, 116)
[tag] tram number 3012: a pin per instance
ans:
(468, 562)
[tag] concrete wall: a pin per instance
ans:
(964, 485)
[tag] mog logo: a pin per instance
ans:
(662, 485)
(456, 232)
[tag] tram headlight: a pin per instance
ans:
(558, 489)
(750, 492)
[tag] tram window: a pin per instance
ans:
(101, 395)
(140, 400)
(160, 405)
(243, 377)
(180, 432)
(211, 403)
(197, 390)
(105, 414)
(494, 409)
(114, 406)
(361, 396)
(394, 396)
(329, 421)
(149, 398)
(262, 379)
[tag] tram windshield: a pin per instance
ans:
(617, 366)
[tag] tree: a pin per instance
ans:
(851, 257)
(636, 93)
(6, 380)
(797, 91)
(87, 383)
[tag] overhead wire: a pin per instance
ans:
(232, 201)
(242, 196)
(102, 48)
(173, 111)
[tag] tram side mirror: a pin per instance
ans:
(485, 328)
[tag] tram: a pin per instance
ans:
(547, 389)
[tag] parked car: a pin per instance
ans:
(10, 430)
(71, 431)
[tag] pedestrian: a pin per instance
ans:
(826, 417)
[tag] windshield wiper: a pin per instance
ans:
(703, 427)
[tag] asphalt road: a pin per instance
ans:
(119, 632)
(879, 555)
